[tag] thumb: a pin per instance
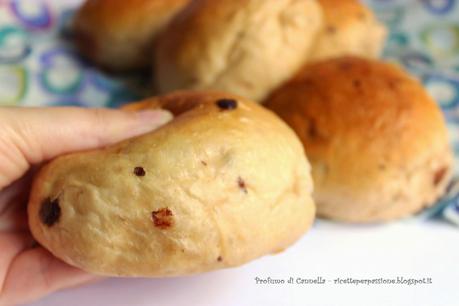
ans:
(32, 135)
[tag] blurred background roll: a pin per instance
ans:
(376, 140)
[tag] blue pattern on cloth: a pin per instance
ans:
(38, 65)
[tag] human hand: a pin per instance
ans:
(28, 137)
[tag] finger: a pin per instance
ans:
(41, 273)
(32, 135)
(12, 244)
(13, 203)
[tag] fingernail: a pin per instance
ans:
(146, 121)
(154, 117)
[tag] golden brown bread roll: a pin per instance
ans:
(223, 183)
(246, 47)
(119, 34)
(349, 28)
(376, 141)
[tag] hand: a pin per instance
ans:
(28, 137)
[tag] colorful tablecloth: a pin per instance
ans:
(39, 66)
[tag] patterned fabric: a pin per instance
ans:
(38, 65)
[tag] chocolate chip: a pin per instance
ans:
(331, 29)
(241, 184)
(227, 104)
(312, 129)
(439, 175)
(393, 84)
(219, 258)
(203, 163)
(315, 132)
(345, 65)
(162, 218)
(50, 211)
(139, 171)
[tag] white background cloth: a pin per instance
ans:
(404, 249)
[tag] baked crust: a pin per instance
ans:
(218, 186)
(349, 28)
(119, 34)
(246, 47)
(376, 140)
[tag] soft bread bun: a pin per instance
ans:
(119, 34)
(247, 47)
(223, 183)
(349, 28)
(376, 141)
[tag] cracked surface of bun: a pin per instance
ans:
(349, 28)
(226, 181)
(377, 142)
(119, 34)
(246, 47)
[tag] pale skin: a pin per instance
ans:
(28, 138)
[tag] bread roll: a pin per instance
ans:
(376, 141)
(246, 47)
(349, 28)
(223, 183)
(119, 34)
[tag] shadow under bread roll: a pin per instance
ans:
(349, 28)
(376, 140)
(246, 47)
(225, 182)
(119, 34)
